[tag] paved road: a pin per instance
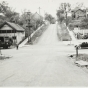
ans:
(42, 65)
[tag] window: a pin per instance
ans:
(7, 31)
(14, 37)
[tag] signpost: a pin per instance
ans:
(29, 26)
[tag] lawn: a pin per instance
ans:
(63, 33)
(36, 36)
(83, 57)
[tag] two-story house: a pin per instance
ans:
(78, 14)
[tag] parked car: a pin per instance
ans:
(84, 45)
(5, 42)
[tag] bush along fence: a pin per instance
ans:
(63, 33)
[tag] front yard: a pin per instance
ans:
(63, 33)
(83, 57)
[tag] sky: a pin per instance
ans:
(47, 6)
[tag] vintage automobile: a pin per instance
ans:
(5, 42)
(82, 45)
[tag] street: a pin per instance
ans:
(44, 64)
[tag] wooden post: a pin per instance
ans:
(76, 52)
(28, 34)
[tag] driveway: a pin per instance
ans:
(44, 64)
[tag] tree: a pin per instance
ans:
(37, 19)
(69, 19)
(84, 23)
(60, 15)
(64, 8)
(49, 18)
(9, 13)
(79, 6)
(3, 6)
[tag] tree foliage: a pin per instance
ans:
(49, 18)
(60, 15)
(64, 8)
(79, 6)
(12, 16)
(9, 13)
(84, 23)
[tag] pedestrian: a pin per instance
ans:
(17, 46)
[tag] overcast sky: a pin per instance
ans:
(49, 6)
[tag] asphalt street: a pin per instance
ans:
(45, 64)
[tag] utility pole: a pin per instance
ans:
(29, 26)
(76, 52)
(66, 18)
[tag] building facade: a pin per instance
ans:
(12, 30)
(78, 14)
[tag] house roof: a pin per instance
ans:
(36, 16)
(13, 26)
(75, 10)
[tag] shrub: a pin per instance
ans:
(63, 33)
(85, 36)
(84, 44)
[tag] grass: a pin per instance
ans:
(63, 33)
(83, 57)
(36, 36)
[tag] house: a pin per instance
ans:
(36, 16)
(12, 30)
(35, 21)
(78, 14)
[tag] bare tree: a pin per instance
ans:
(79, 5)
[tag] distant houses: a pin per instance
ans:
(36, 16)
(78, 14)
(79, 22)
(12, 30)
